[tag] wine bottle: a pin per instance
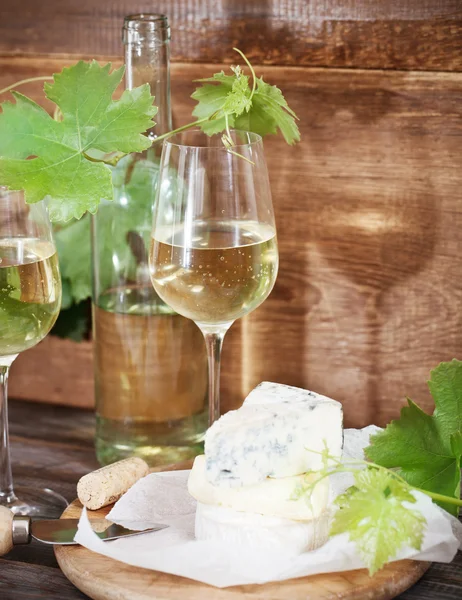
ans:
(150, 363)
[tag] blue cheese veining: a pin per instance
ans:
(278, 432)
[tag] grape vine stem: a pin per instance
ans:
(23, 82)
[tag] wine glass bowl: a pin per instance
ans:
(214, 256)
(212, 281)
(30, 300)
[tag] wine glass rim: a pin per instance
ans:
(255, 139)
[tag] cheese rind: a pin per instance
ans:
(280, 431)
(271, 497)
(215, 523)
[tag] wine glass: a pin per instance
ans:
(214, 254)
(30, 299)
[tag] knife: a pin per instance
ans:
(16, 530)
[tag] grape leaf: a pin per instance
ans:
(116, 219)
(427, 449)
(446, 388)
(48, 158)
(131, 211)
(74, 252)
(264, 112)
(73, 322)
(376, 519)
(269, 112)
(211, 99)
(239, 100)
(66, 294)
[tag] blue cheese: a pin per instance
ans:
(279, 431)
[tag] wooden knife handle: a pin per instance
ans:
(6, 530)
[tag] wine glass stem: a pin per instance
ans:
(214, 343)
(6, 479)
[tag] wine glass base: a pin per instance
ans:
(38, 503)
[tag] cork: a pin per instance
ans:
(108, 484)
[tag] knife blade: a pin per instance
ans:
(62, 531)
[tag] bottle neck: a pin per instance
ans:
(147, 60)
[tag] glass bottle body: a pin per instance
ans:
(150, 363)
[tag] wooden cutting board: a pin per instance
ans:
(103, 578)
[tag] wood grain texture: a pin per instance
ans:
(368, 208)
(33, 582)
(102, 578)
(32, 572)
(390, 34)
(56, 371)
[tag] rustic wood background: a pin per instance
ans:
(369, 204)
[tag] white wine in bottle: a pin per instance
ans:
(219, 275)
(30, 293)
(150, 377)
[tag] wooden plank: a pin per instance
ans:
(35, 553)
(20, 582)
(391, 34)
(442, 581)
(56, 371)
(68, 426)
(369, 217)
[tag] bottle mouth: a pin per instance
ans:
(145, 26)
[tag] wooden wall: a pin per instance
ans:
(369, 204)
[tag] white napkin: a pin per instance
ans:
(163, 498)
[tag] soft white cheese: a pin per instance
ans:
(271, 497)
(279, 431)
(215, 523)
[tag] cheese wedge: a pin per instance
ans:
(280, 431)
(215, 523)
(271, 497)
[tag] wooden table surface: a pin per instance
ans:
(53, 447)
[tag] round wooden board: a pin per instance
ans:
(103, 578)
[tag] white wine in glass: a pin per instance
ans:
(214, 256)
(227, 271)
(30, 299)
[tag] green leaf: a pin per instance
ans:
(48, 159)
(211, 99)
(426, 449)
(376, 518)
(238, 100)
(74, 322)
(446, 388)
(128, 217)
(66, 294)
(115, 221)
(264, 112)
(272, 112)
(74, 251)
